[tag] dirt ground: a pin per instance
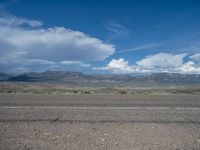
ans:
(98, 136)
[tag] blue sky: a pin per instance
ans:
(99, 36)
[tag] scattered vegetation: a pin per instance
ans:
(67, 89)
(122, 92)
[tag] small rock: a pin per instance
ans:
(57, 136)
(34, 134)
(47, 133)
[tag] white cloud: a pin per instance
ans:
(56, 44)
(162, 60)
(37, 49)
(25, 46)
(190, 68)
(117, 66)
(195, 57)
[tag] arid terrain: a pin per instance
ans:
(99, 74)
(52, 116)
(45, 135)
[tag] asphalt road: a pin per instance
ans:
(109, 122)
(104, 108)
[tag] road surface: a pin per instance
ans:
(99, 121)
(113, 108)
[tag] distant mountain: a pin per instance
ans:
(49, 76)
(22, 78)
(4, 77)
(78, 77)
(175, 78)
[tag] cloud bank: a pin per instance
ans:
(24, 42)
(161, 62)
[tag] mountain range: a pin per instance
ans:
(78, 77)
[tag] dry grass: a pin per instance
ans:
(69, 89)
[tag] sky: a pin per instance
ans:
(100, 36)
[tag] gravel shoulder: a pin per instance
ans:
(88, 135)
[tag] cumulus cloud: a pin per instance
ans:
(162, 62)
(38, 45)
(190, 68)
(117, 66)
(55, 44)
